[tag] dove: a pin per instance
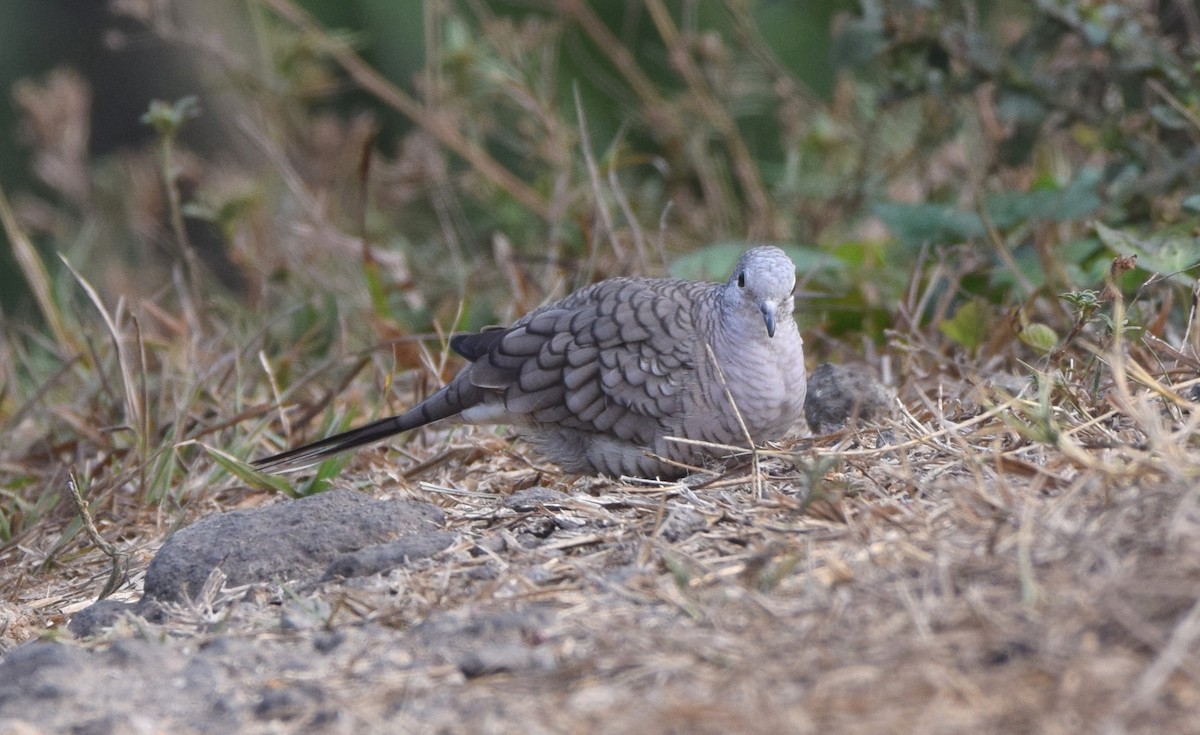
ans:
(602, 381)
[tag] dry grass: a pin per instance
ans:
(961, 577)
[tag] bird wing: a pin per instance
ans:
(614, 358)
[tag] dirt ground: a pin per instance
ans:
(942, 575)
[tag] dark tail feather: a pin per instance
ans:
(438, 406)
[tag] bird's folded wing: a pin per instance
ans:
(611, 359)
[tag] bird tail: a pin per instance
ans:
(440, 405)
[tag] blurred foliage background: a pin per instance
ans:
(874, 137)
(282, 182)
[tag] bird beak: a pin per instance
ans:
(768, 312)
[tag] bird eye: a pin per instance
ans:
(741, 280)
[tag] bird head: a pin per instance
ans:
(763, 281)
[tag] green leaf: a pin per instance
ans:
(323, 479)
(247, 474)
(1168, 117)
(933, 224)
(167, 119)
(375, 288)
(1038, 336)
(1077, 200)
(1176, 256)
(970, 324)
(1084, 302)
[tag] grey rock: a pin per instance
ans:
(839, 395)
(682, 522)
(293, 540)
(99, 616)
(338, 533)
(381, 558)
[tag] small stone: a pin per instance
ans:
(682, 522)
(531, 499)
(495, 543)
(506, 657)
(99, 616)
(842, 394)
(326, 640)
(290, 540)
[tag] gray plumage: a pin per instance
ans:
(599, 380)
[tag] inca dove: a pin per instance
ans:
(599, 380)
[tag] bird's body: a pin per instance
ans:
(599, 380)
